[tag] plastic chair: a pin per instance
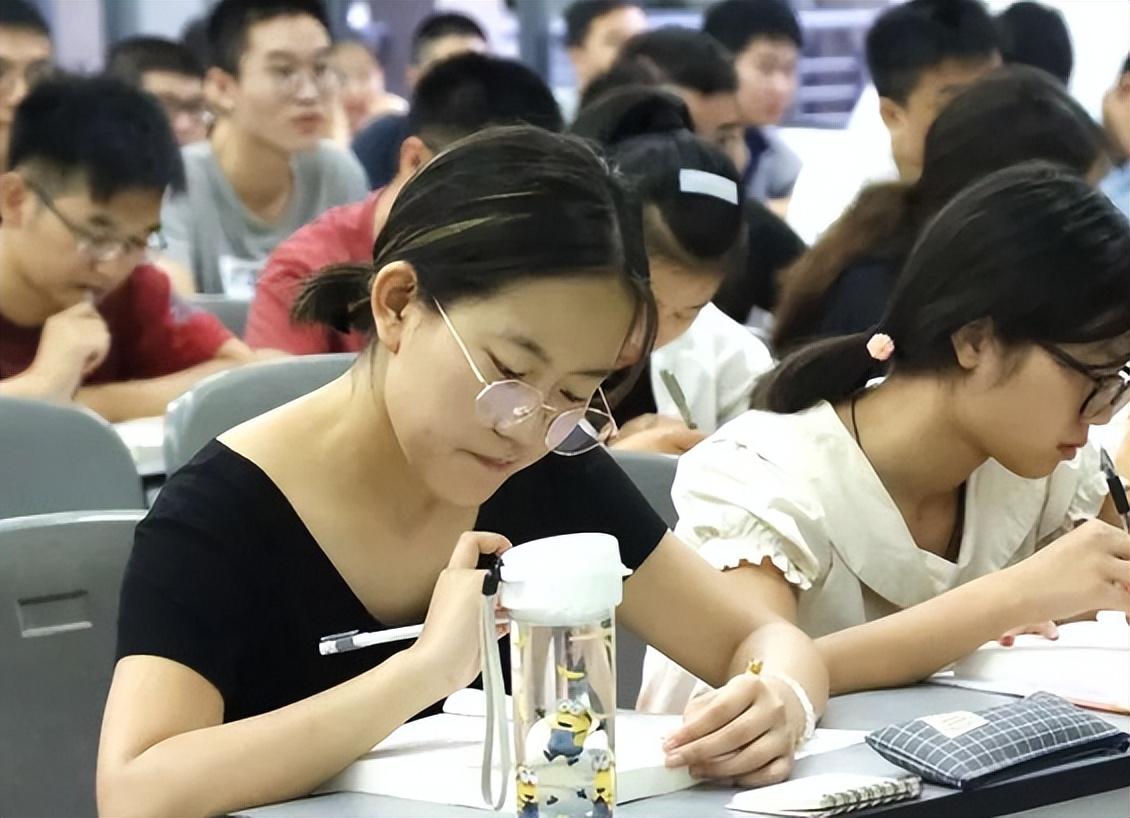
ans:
(62, 458)
(232, 312)
(229, 398)
(60, 576)
(653, 475)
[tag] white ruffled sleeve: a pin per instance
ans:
(736, 507)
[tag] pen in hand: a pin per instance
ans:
(1117, 489)
(680, 399)
(355, 640)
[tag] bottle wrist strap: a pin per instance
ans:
(494, 690)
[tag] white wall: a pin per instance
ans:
(165, 18)
(1100, 35)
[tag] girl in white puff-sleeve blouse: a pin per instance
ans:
(908, 523)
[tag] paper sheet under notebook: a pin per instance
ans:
(1089, 665)
(438, 759)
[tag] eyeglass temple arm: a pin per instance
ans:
(459, 341)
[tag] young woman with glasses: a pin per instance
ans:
(904, 524)
(506, 283)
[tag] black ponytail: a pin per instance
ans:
(337, 297)
(832, 370)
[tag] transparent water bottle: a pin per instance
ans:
(561, 594)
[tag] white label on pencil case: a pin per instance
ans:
(952, 725)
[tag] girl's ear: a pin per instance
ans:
(972, 342)
(394, 288)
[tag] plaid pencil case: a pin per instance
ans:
(967, 750)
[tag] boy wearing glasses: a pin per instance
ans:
(83, 316)
(169, 71)
(265, 171)
(25, 58)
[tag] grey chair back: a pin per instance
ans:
(227, 399)
(653, 475)
(60, 575)
(231, 311)
(62, 458)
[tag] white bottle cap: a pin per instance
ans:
(568, 580)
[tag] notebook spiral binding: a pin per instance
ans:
(898, 789)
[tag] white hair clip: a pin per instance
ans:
(708, 184)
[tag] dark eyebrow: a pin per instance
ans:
(100, 221)
(290, 55)
(534, 348)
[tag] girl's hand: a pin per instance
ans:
(744, 732)
(1084, 570)
(450, 641)
(1048, 630)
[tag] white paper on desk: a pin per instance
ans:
(471, 702)
(1089, 665)
(145, 439)
(438, 759)
(827, 740)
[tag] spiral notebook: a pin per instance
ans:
(817, 796)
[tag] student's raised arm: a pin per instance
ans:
(149, 397)
(1085, 570)
(73, 344)
(165, 751)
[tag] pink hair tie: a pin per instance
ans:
(881, 347)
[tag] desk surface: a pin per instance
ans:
(860, 711)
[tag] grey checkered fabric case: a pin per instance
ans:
(1033, 733)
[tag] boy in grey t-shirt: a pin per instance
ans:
(265, 172)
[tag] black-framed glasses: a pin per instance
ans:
(1111, 393)
(100, 249)
(505, 404)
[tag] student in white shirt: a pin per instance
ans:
(920, 54)
(906, 524)
(692, 223)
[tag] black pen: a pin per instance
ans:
(1117, 489)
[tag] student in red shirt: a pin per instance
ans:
(83, 317)
(456, 98)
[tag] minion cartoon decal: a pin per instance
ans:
(603, 784)
(568, 728)
(527, 793)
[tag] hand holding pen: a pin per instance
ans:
(448, 640)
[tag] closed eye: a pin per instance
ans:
(503, 371)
